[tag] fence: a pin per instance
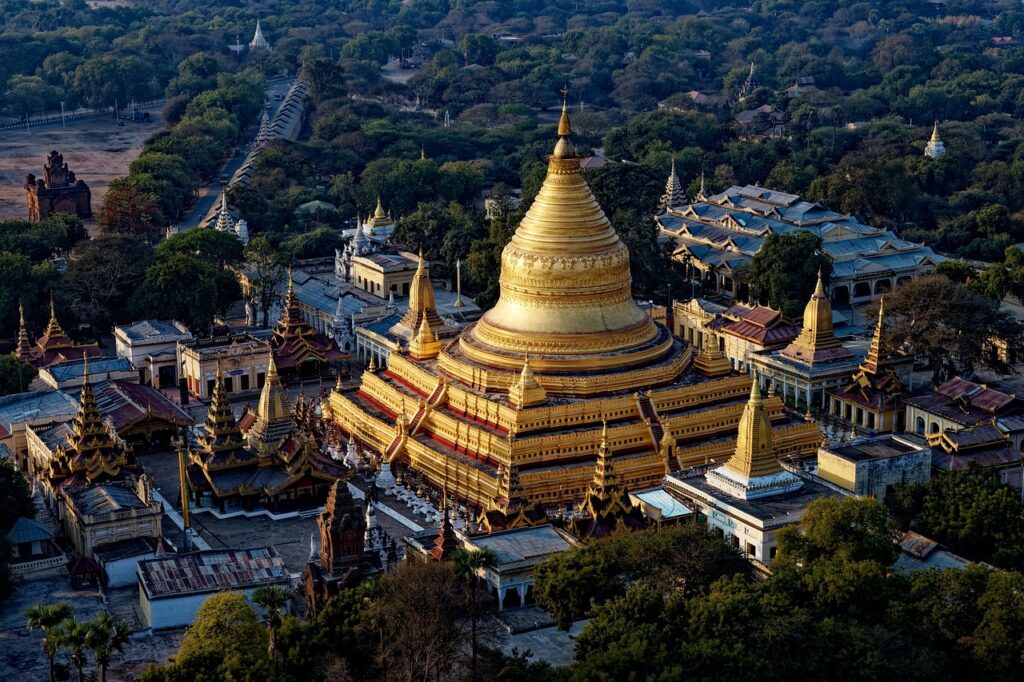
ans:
(78, 116)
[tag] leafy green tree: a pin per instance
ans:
(784, 271)
(73, 635)
(15, 377)
(210, 246)
(47, 618)
(129, 211)
(266, 273)
(185, 289)
(226, 641)
(468, 565)
(102, 276)
(969, 511)
(849, 528)
(15, 496)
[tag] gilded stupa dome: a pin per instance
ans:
(566, 291)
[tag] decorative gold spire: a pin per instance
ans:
(53, 328)
(755, 453)
(604, 471)
(817, 341)
(565, 284)
(527, 392)
(273, 415)
(935, 132)
(424, 345)
(873, 361)
(421, 303)
(379, 211)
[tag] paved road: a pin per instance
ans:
(209, 194)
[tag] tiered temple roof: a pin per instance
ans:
(53, 346)
(674, 196)
(875, 383)
(296, 343)
(268, 454)
(87, 450)
(817, 342)
(527, 389)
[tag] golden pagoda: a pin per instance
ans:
(265, 459)
(754, 470)
(711, 361)
(528, 387)
(817, 341)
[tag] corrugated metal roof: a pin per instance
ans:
(28, 530)
(211, 571)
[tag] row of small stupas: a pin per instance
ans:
(564, 367)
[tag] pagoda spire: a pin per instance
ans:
(225, 223)
(221, 430)
(674, 196)
(379, 211)
(422, 305)
(446, 543)
(873, 361)
(754, 471)
(424, 345)
(526, 391)
(817, 341)
(53, 328)
(274, 419)
(24, 351)
(711, 360)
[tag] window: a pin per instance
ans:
(735, 540)
(244, 380)
(772, 552)
(229, 384)
(209, 387)
(751, 550)
(261, 378)
(919, 426)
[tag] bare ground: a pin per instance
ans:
(97, 150)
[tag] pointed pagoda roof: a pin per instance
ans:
(446, 542)
(259, 41)
(421, 305)
(295, 341)
(225, 223)
(817, 341)
(527, 391)
(221, 433)
(875, 384)
(564, 249)
(674, 196)
(24, 350)
(935, 132)
(53, 337)
(753, 470)
(274, 418)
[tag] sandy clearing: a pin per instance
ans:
(97, 150)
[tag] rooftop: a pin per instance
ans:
(22, 407)
(867, 449)
(123, 549)
(668, 507)
(107, 498)
(918, 552)
(211, 571)
(153, 331)
(70, 370)
(520, 546)
(28, 530)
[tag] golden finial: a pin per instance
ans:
(291, 280)
(85, 368)
(220, 372)
(21, 314)
(819, 290)
(935, 131)
(53, 311)
(423, 153)
(379, 211)
(564, 129)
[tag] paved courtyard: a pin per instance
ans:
(21, 657)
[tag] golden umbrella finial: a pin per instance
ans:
(564, 129)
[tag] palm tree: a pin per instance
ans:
(46, 617)
(107, 635)
(74, 634)
(272, 599)
(468, 564)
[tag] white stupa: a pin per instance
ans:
(259, 42)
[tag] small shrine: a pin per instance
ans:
(58, 191)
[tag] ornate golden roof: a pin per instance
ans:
(817, 340)
(711, 361)
(935, 132)
(421, 304)
(755, 454)
(424, 345)
(565, 284)
(221, 432)
(273, 416)
(526, 392)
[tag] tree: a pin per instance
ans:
(848, 528)
(47, 617)
(129, 211)
(784, 271)
(211, 246)
(969, 511)
(468, 565)
(226, 641)
(74, 635)
(15, 496)
(272, 600)
(185, 289)
(952, 336)
(102, 276)
(15, 375)
(266, 273)
(107, 636)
